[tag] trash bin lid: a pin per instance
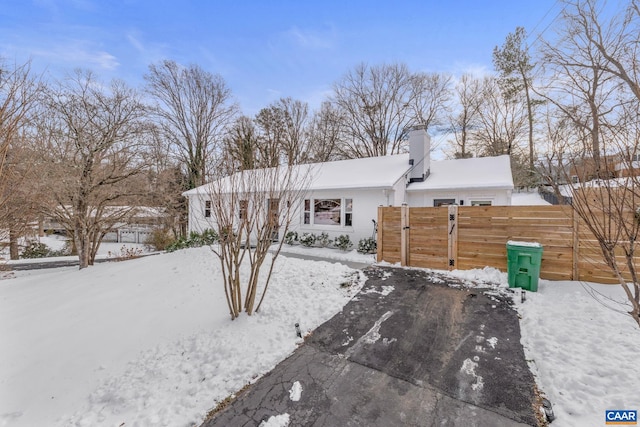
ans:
(528, 244)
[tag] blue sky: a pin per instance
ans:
(264, 49)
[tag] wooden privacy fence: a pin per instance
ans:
(466, 237)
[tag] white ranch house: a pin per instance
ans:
(343, 196)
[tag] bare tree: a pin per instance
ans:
(615, 38)
(241, 145)
(592, 83)
(325, 132)
(374, 104)
(464, 119)
(282, 132)
(91, 138)
(580, 87)
(248, 210)
(379, 104)
(501, 122)
(18, 94)
(271, 126)
(295, 140)
(430, 97)
(166, 181)
(513, 62)
(610, 208)
(560, 147)
(193, 108)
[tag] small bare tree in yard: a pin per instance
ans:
(593, 88)
(90, 140)
(251, 210)
(611, 212)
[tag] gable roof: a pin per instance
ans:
(369, 172)
(385, 171)
(477, 172)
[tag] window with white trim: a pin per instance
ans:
(348, 212)
(443, 202)
(207, 209)
(336, 212)
(307, 211)
(480, 203)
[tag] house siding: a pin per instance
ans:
(197, 221)
(425, 199)
(364, 210)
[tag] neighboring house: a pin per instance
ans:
(344, 196)
(611, 166)
(135, 228)
(628, 166)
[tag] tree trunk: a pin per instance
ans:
(82, 246)
(40, 226)
(14, 252)
(530, 120)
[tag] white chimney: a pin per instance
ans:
(419, 153)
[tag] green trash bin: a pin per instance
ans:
(523, 264)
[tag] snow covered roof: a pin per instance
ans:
(385, 171)
(370, 172)
(478, 172)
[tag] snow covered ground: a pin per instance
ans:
(57, 242)
(527, 199)
(581, 347)
(149, 341)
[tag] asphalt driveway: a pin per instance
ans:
(407, 351)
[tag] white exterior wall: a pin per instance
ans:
(425, 199)
(197, 220)
(365, 209)
(399, 192)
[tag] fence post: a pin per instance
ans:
(452, 247)
(404, 235)
(379, 240)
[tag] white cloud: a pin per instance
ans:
(134, 40)
(312, 39)
(147, 52)
(78, 53)
(476, 70)
(274, 93)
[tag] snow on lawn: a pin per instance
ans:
(584, 355)
(148, 341)
(56, 242)
(329, 253)
(527, 199)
